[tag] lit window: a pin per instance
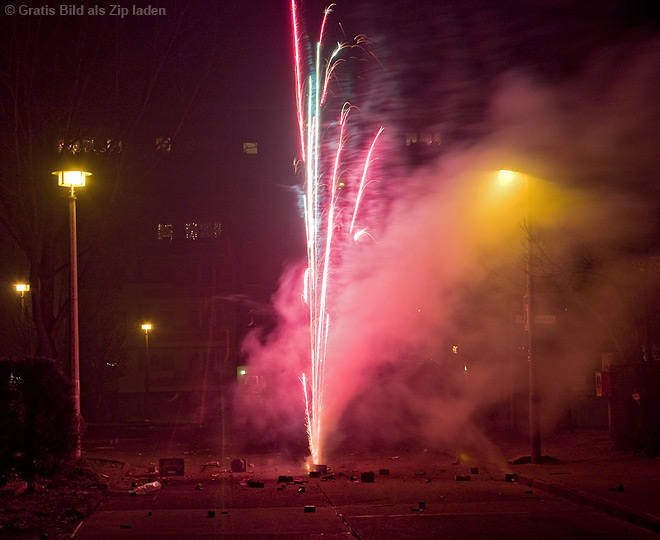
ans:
(165, 231)
(113, 146)
(249, 147)
(411, 138)
(192, 231)
(163, 144)
(210, 230)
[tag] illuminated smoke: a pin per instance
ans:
(436, 256)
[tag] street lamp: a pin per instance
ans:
(73, 179)
(146, 327)
(506, 176)
(22, 288)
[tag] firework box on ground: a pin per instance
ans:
(170, 466)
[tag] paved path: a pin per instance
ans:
(420, 497)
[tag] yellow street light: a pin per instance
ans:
(506, 177)
(73, 179)
(22, 288)
(146, 327)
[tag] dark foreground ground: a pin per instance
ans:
(590, 491)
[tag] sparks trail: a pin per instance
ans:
(322, 203)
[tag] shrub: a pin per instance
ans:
(38, 430)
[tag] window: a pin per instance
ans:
(113, 146)
(249, 147)
(411, 138)
(191, 231)
(165, 231)
(210, 230)
(164, 144)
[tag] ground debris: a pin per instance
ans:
(55, 510)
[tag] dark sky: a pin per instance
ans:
(228, 71)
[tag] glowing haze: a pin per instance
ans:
(401, 325)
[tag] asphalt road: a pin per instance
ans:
(420, 498)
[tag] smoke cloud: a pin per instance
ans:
(425, 344)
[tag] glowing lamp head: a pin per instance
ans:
(22, 287)
(71, 178)
(506, 177)
(146, 327)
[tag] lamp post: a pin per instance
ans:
(71, 180)
(22, 288)
(530, 319)
(146, 327)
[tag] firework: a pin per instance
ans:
(322, 203)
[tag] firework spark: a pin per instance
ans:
(322, 204)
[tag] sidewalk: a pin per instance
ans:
(590, 471)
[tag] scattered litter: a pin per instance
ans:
(513, 477)
(145, 489)
(301, 489)
(282, 479)
(310, 508)
(395, 457)
(367, 477)
(328, 477)
(238, 465)
(422, 505)
(463, 478)
(171, 466)
(213, 464)
(314, 474)
(420, 473)
(255, 484)
(198, 487)
(125, 526)
(618, 488)
(210, 513)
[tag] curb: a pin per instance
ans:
(619, 511)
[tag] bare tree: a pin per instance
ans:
(82, 91)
